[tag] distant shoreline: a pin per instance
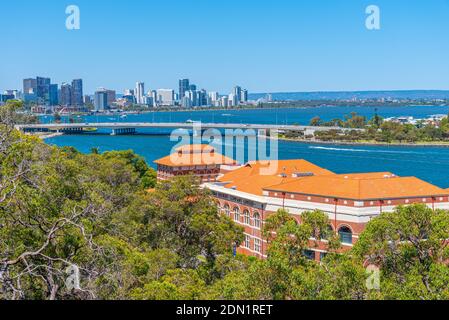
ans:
(379, 144)
(271, 106)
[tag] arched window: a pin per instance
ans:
(227, 211)
(237, 214)
(345, 235)
(246, 217)
(256, 218)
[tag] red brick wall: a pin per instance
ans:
(356, 229)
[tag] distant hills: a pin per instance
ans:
(348, 95)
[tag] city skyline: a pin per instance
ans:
(272, 47)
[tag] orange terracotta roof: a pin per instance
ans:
(369, 175)
(281, 167)
(192, 148)
(256, 184)
(250, 180)
(358, 187)
(197, 159)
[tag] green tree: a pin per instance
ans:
(410, 248)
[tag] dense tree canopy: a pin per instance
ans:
(378, 130)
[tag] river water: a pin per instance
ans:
(428, 163)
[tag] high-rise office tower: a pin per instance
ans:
(203, 98)
(244, 97)
(192, 97)
(224, 101)
(213, 96)
(87, 100)
(129, 92)
(186, 102)
(153, 95)
(238, 93)
(66, 95)
(184, 86)
(43, 89)
(101, 100)
(140, 92)
(166, 96)
(232, 100)
(77, 92)
(53, 95)
(111, 96)
(29, 86)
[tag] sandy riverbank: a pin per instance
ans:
(46, 135)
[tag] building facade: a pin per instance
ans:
(349, 200)
(53, 95)
(29, 86)
(140, 92)
(66, 95)
(101, 100)
(166, 97)
(201, 161)
(184, 86)
(77, 92)
(249, 194)
(43, 90)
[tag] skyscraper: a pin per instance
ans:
(213, 96)
(238, 94)
(166, 96)
(43, 90)
(203, 98)
(244, 97)
(111, 96)
(77, 92)
(140, 92)
(101, 100)
(224, 101)
(184, 85)
(129, 92)
(232, 100)
(87, 100)
(29, 86)
(66, 95)
(192, 96)
(53, 95)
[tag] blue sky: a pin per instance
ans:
(263, 45)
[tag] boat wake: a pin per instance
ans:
(363, 150)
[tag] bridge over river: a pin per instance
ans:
(125, 128)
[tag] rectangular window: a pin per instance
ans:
(309, 254)
(247, 242)
(257, 245)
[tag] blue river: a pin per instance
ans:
(428, 163)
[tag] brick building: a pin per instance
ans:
(198, 160)
(248, 195)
